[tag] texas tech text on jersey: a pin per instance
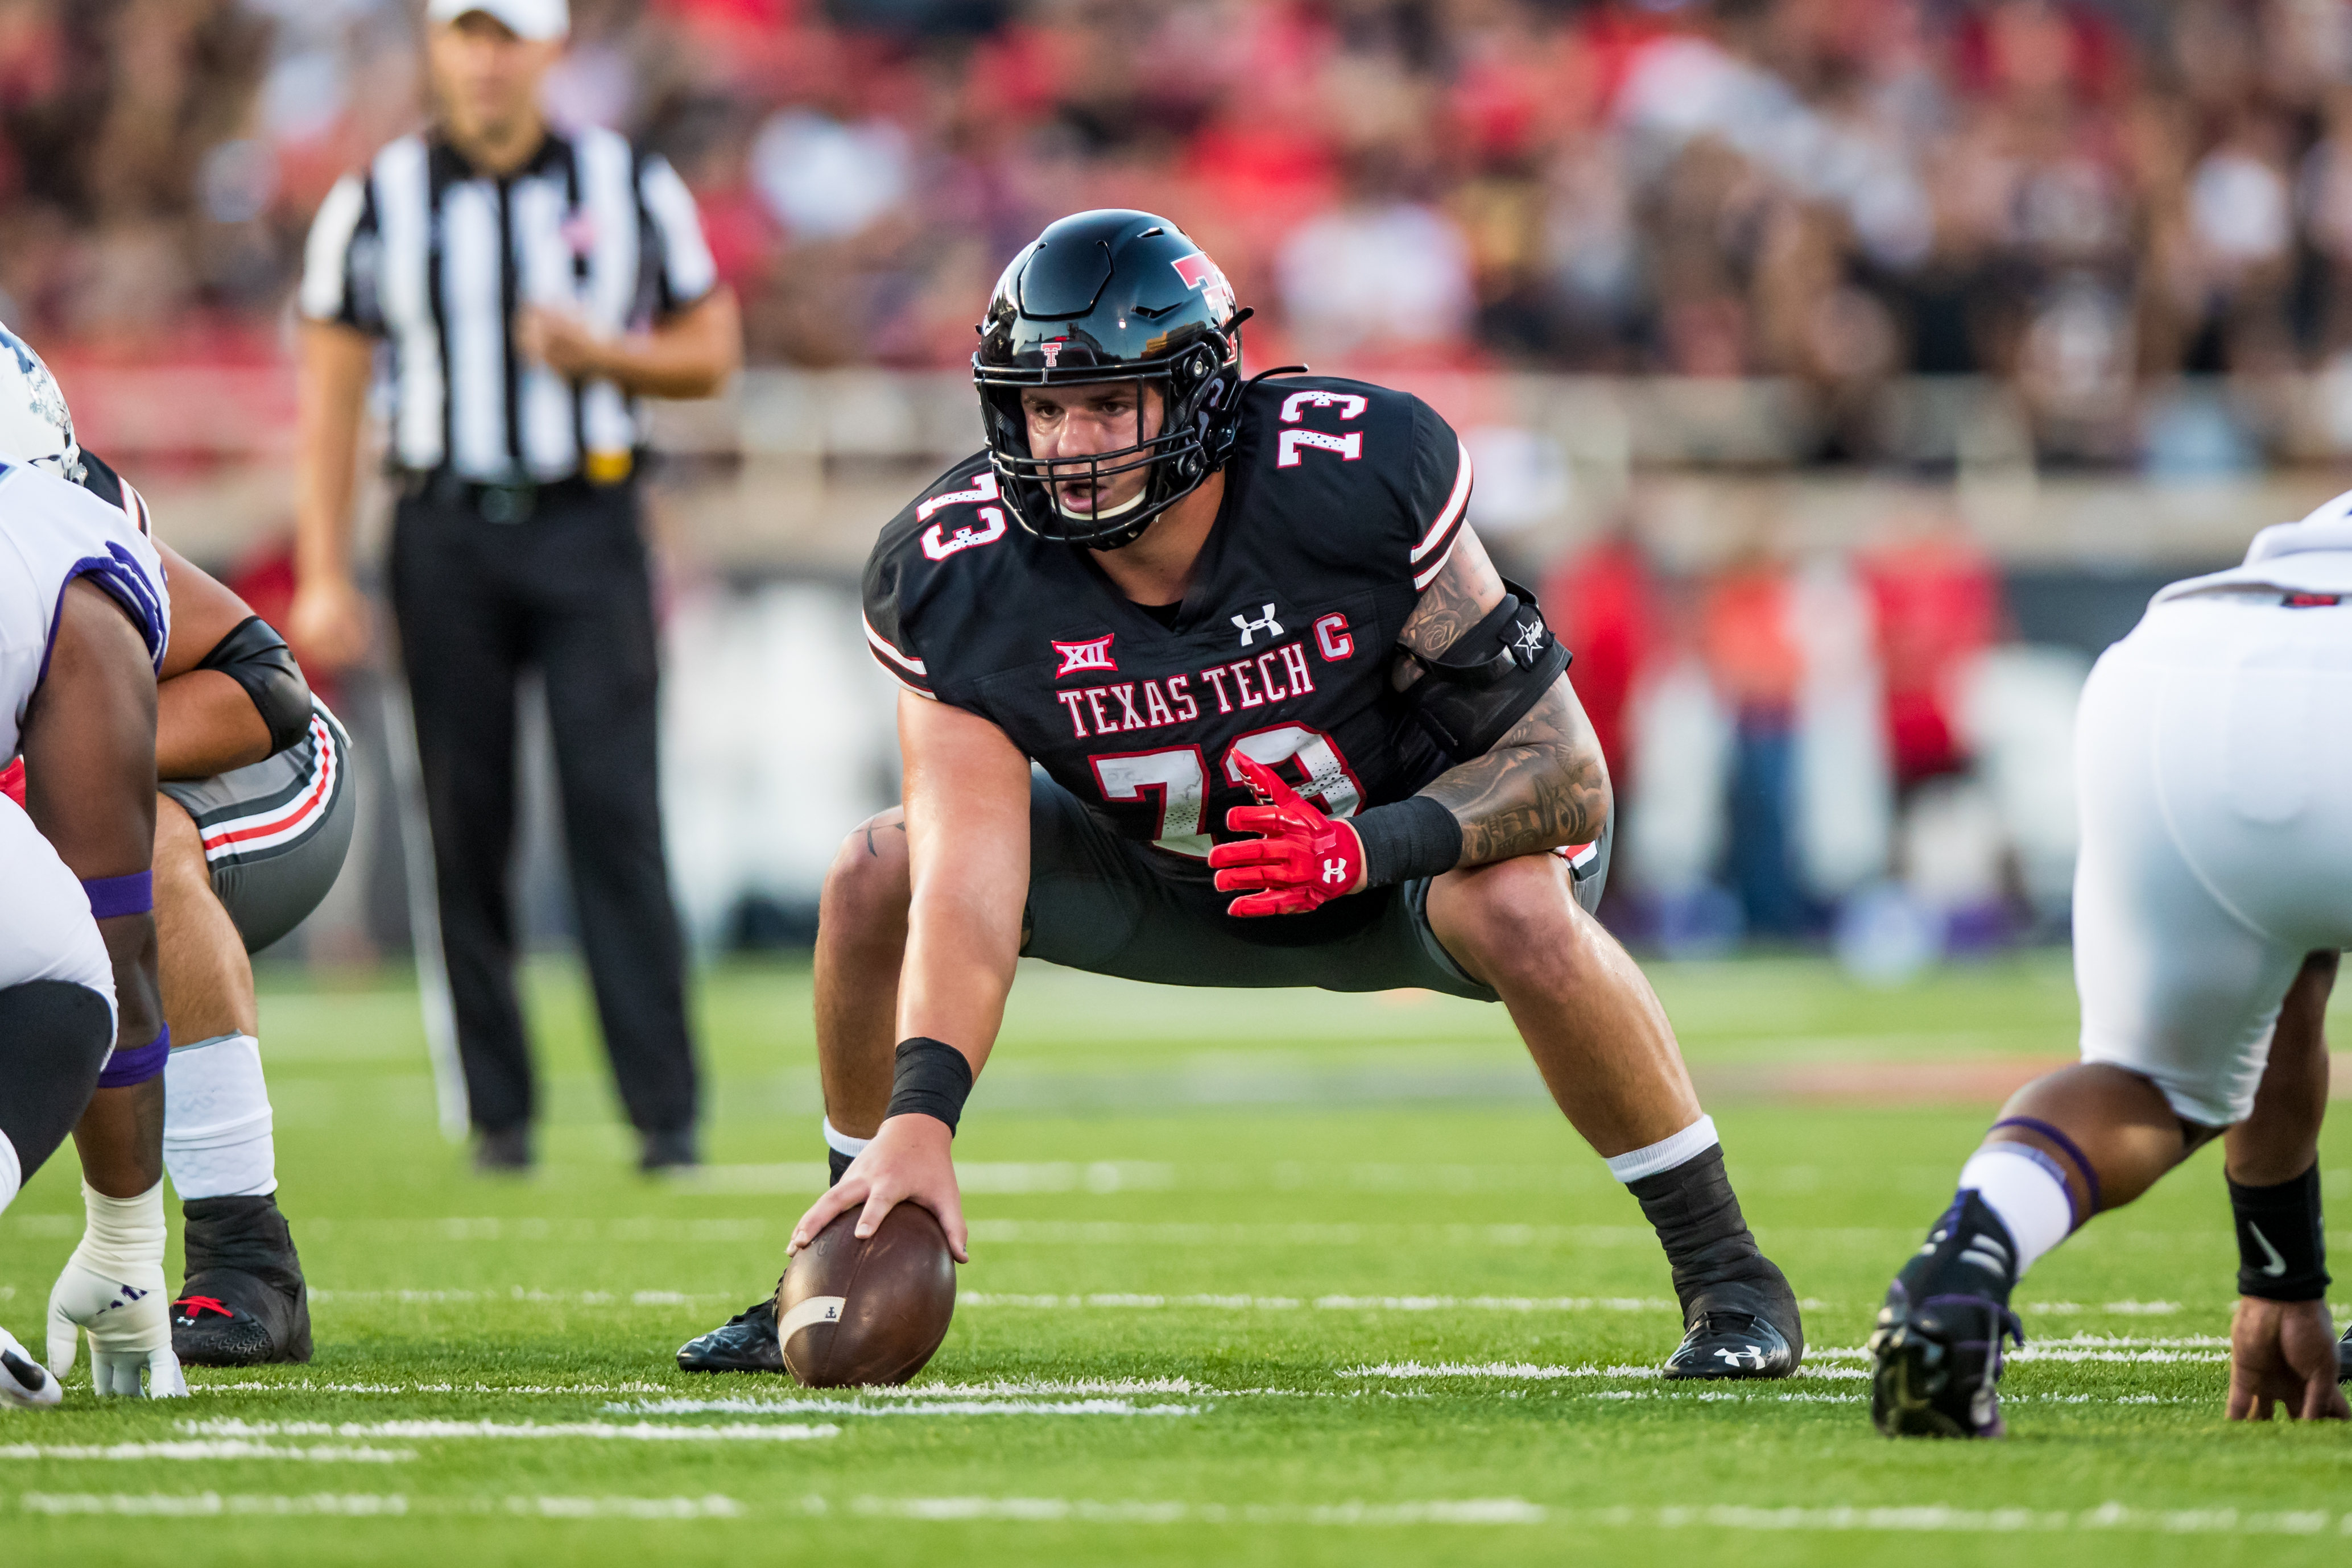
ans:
(1342, 501)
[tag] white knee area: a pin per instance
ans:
(12, 1173)
(2027, 1194)
(1666, 1153)
(841, 1142)
(217, 1139)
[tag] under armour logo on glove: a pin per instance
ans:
(1305, 860)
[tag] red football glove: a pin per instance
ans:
(1305, 861)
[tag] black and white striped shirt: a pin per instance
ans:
(423, 251)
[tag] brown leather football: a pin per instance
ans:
(851, 1311)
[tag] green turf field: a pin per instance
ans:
(1256, 1279)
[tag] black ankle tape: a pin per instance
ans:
(837, 1162)
(1697, 1218)
(931, 1078)
(2282, 1248)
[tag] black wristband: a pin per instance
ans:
(1412, 838)
(931, 1079)
(2282, 1250)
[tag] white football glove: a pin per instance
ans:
(129, 1326)
(23, 1384)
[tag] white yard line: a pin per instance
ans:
(1106, 1301)
(642, 1431)
(903, 1407)
(1051, 1510)
(366, 1505)
(203, 1449)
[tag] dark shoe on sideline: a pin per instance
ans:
(503, 1151)
(672, 1150)
(744, 1343)
(244, 1302)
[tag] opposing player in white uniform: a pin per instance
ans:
(2212, 895)
(252, 821)
(83, 625)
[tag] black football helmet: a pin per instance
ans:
(1111, 296)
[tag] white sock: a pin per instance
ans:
(12, 1173)
(2025, 1191)
(1666, 1153)
(216, 1120)
(841, 1142)
(123, 1237)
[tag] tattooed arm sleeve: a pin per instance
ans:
(1545, 783)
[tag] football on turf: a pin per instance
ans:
(851, 1311)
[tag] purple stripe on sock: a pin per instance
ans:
(2066, 1145)
(111, 895)
(137, 1065)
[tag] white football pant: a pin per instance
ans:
(2213, 756)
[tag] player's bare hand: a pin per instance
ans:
(563, 343)
(330, 623)
(908, 1162)
(2283, 1354)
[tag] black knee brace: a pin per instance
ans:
(54, 1036)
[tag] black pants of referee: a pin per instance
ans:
(564, 591)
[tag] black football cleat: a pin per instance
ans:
(1935, 1360)
(244, 1302)
(744, 1343)
(1746, 1328)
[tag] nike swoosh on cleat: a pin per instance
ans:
(2277, 1265)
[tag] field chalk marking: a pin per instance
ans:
(640, 1431)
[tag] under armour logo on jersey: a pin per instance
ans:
(1335, 871)
(1265, 624)
(1091, 655)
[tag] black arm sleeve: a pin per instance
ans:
(257, 659)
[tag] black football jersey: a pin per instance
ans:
(1342, 501)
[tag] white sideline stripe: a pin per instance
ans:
(1484, 1511)
(202, 1449)
(1014, 1176)
(1326, 1303)
(1533, 1372)
(257, 1387)
(209, 1504)
(746, 1404)
(365, 1505)
(1939, 1518)
(642, 1431)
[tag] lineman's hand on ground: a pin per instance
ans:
(2283, 1354)
(908, 1162)
(329, 622)
(130, 1327)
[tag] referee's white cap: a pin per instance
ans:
(534, 19)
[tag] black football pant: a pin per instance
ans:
(564, 591)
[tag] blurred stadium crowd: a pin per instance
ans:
(2081, 197)
(2100, 209)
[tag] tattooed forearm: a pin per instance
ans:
(1542, 786)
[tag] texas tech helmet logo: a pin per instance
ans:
(1052, 349)
(1198, 272)
(1089, 656)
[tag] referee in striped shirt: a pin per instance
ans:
(527, 286)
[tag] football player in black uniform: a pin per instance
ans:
(1295, 731)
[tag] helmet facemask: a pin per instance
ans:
(1197, 388)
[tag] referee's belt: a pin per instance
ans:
(517, 501)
